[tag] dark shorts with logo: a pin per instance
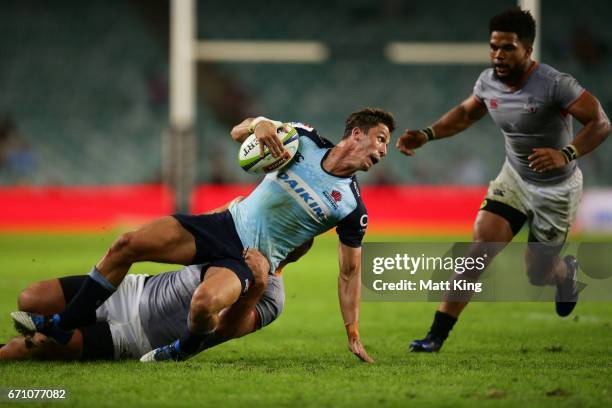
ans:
(217, 243)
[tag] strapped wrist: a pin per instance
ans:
(260, 119)
(352, 329)
(570, 153)
(429, 133)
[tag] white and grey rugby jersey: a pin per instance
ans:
(536, 115)
(164, 304)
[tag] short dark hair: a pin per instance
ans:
(366, 119)
(515, 20)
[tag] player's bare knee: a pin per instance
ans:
(121, 250)
(27, 300)
(128, 248)
(205, 304)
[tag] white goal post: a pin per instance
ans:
(179, 142)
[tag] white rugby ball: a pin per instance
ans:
(250, 160)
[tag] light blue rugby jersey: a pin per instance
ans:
(302, 200)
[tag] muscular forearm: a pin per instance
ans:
(452, 122)
(242, 130)
(349, 293)
(592, 135)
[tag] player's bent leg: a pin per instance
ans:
(162, 240)
(260, 306)
(240, 318)
(545, 267)
(49, 296)
(220, 288)
(543, 264)
(491, 232)
(224, 281)
(236, 321)
(44, 297)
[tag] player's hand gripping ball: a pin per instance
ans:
(250, 159)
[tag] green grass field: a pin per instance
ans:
(499, 354)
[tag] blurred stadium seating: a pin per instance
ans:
(86, 82)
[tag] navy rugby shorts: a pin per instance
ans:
(217, 243)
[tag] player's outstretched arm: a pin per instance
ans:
(596, 127)
(349, 293)
(452, 122)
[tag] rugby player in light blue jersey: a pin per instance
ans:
(540, 182)
(317, 191)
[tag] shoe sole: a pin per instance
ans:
(148, 357)
(23, 323)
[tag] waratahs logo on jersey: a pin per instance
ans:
(333, 198)
(303, 194)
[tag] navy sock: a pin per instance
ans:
(443, 323)
(211, 340)
(81, 311)
(190, 342)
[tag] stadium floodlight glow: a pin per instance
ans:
(437, 52)
(261, 51)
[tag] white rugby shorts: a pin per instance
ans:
(550, 209)
(121, 312)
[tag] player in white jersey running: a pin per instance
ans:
(533, 105)
(315, 192)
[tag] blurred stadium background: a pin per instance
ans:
(85, 96)
(84, 129)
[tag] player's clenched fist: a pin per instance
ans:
(410, 140)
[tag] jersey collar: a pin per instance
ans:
(524, 78)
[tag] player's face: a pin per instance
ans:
(509, 56)
(375, 145)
